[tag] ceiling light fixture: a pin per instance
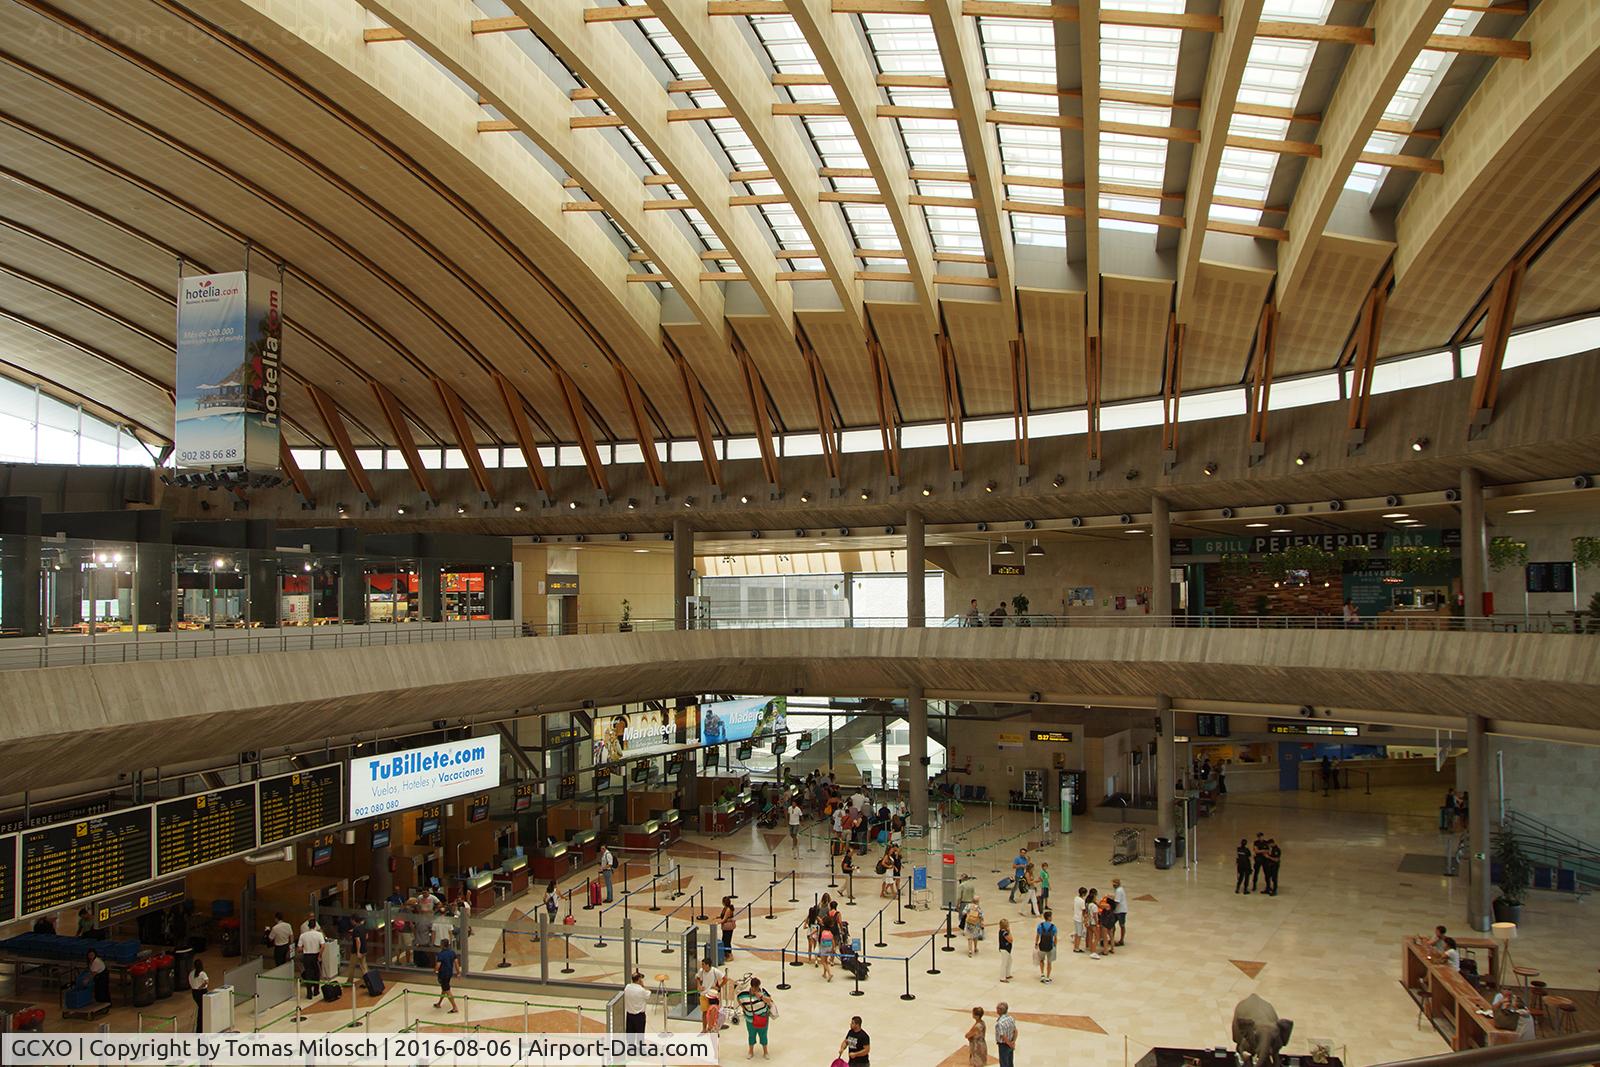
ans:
(632, 503)
(1418, 444)
(1209, 469)
(461, 509)
(401, 510)
(688, 501)
(744, 499)
(1520, 511)
(1302, 459)
(1058, 481)
(805, 498)
(517, 507)
(866, 494)
(1034, 549)
(927, 490)
(1005, 548)
(1281, 530)
(988, 487)
(1133, 529)
(1396, 515)
(1256, 525)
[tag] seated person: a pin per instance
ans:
(1437, 945)
(1452, 956)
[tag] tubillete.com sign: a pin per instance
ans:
(418, 776)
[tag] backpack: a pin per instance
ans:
(1047, 937)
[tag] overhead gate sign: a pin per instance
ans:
(229, 354)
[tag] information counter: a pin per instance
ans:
(723, 817)
(671, 825)
(555, 862)
(586, 845)
(479, 890)
(645, 837)
(1459, 1012)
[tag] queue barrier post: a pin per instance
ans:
(907, 995)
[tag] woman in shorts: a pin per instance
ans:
(827, 946)
(974, 927)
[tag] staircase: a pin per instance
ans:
(1561, 862)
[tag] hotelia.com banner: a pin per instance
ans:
(489, 1050)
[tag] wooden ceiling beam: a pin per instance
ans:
(1019, 401)
(695, 396)
(642, 434)
(1491, 355)
(394, 414)
(1091, 381)
(522, 429)
(291, 469)
(883, 397)
(1495, 47)
(756, 394)
(1368, 338)
(953, 415)
(328, 411)
(1171, 391)
(456, 415)
(582, 433)
(1258, 399)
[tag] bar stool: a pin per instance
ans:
(1524, 975)
(1563, 1014)
(1536, 993)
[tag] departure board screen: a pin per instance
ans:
(74, 860)
(205, 828)
(8, 878)
(301, 803)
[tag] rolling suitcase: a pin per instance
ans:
(373, 980)
(331, 991)
(594, 894)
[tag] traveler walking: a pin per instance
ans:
(977, 1040)
(709, 980)
(756, 1003)
(794, 823)
(358, 948)
(1003, 943)
(310, 948)
(1079, 937)
(1005, 1033)
(1019, 866)
(635, 999)
(974, 927)
(856, 1047)
(1044, 947)
(444, 965)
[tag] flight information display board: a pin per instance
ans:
(204, 828)
(301, 803)
(76, 860)
(8, 878)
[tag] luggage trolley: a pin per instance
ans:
(1125, 845)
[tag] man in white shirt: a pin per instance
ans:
(280, 935)
(1120, 896)
(794, 824)
(608, 864)
(427, 901)
(309, 948)
(635, 998)
(709, 980)
(1077, 919)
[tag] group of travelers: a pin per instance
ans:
(1256, 864)
(1100, 921)
(827, 937)
(975, 617)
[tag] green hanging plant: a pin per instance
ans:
(1305, 558)
(1507, 552)
(1586, 552)
(1353, 553)
(1423, 561)
(1235, 563)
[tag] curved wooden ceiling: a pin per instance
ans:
(533, 201)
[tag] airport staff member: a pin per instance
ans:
(281, 935)
(310, 949)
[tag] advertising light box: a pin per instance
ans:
(418, 776)
(619, 736)
(739, 720)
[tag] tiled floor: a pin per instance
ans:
(1325, 951)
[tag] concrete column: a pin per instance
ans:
(1480, 909)
(682, 571)
(1160, 559)
(917, 721)
(20, 561)
(1474, 543)
(1166, 768)
(430, 601)
(352, 592)
(916, 578)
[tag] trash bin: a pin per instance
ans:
(1183, 840)
(230, 934)
(142, 976)
(166, 981)
(182, 964)
(1164, 851)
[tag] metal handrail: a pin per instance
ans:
(1570, 1050)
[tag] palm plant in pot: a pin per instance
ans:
(626, 625)
(1516, 874)
(1019, 607)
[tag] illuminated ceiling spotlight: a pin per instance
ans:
(988, 487)
(805, 498)
(518, 506)
(927, 490)
(401, 510)
(1302, 459)
(1058, 481)
(744, 499)
(1034, 549)
(688, 501)
(1005, 548)
(1418, 444)
(461, 509)
(1210, 468)
(866, 494)
(572, 505)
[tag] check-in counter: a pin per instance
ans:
(513, 876)
(671, 825)
(722, 817)
(586, 844)
(479, 890)
(555, 862)
(645, 836)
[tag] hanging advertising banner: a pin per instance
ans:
(229, 350)
(418, 776)
(643, 732)
(739, 720)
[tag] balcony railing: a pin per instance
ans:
(80, 650)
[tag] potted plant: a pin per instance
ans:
(1594, 613)
(626, 625)
(1019, 608)
(1516, 874)
(1262, 603)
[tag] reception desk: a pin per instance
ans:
(514, 876)
(555, 862)
(1448, 999)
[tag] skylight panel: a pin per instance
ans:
(1273, 77)
(1409, 99)
(1023, 50)
(1141, 59)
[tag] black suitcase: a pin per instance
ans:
(331, 991)
(374, 983)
